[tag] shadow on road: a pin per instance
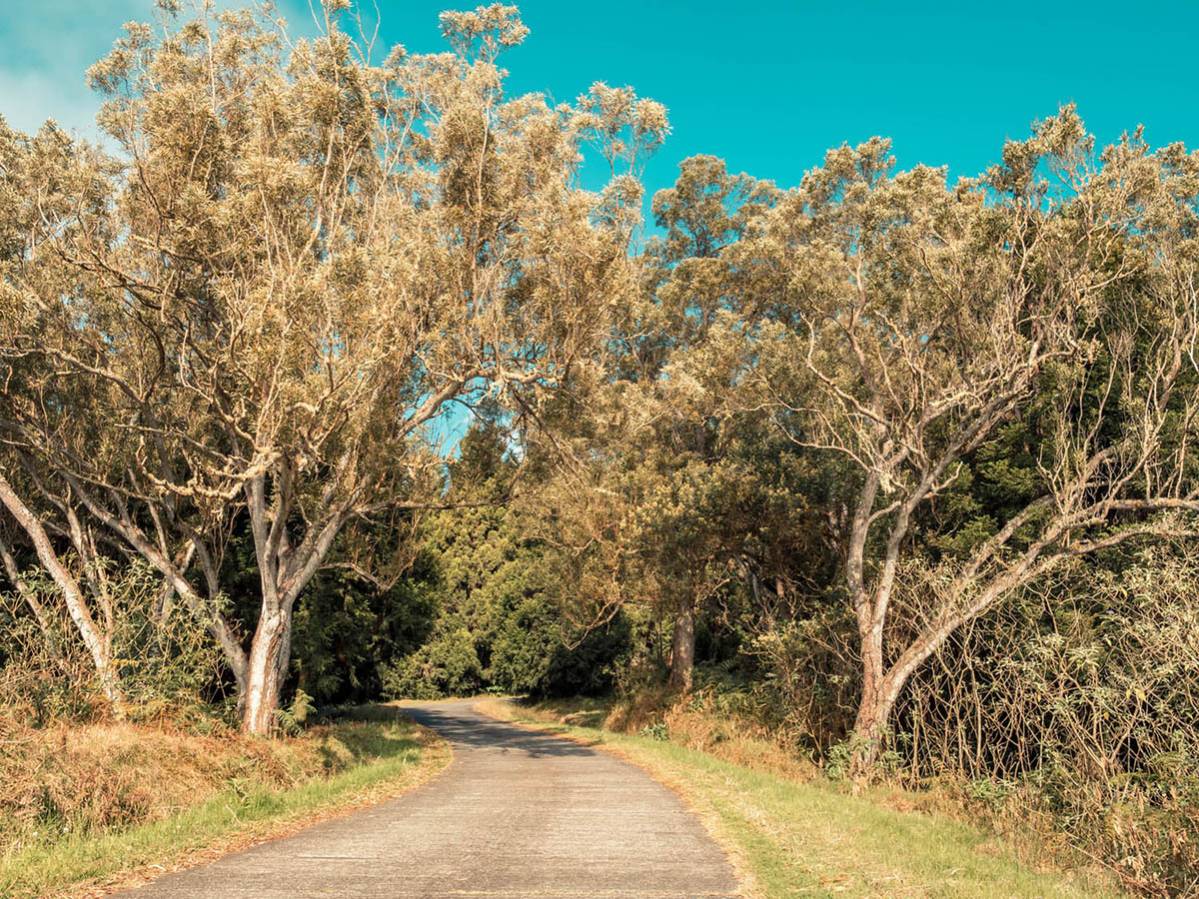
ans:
(465, 728)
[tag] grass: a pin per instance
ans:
(791, 837)
(371, 757)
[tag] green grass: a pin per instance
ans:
(389, 755)
(815, 838)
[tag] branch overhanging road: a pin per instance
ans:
(517, 813)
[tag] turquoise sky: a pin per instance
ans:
(767, 85)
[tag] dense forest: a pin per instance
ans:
(323, 379)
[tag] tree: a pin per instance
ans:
(649, 507)
(51, 529)
(915, 321)
(692, 520)
(300, 258)
(96, 635)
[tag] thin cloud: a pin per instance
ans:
(47, 47)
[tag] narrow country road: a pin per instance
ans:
(516, 814)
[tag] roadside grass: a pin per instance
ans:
(370, 756)
(812, 837)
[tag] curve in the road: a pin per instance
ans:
(517, 813)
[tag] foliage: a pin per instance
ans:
(166, 663)
(1083, 702)
(294, 262)
(498, 622)
(900, 470)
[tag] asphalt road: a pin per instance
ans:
(516, 814)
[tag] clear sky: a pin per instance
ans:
(767, 85)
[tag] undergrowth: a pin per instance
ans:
(90, 803)
(795, 831)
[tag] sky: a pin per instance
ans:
(767, 85)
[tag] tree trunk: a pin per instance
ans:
(878, 695)
(880, 692)
(869, 729)
(682, 650)
(284, 570)
(264, 673)
(94, 639)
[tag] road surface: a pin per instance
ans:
(516, 814)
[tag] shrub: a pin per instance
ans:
(1084, 705)
(167, 664)
(448, 665)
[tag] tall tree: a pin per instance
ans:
(304, 257)
(917, 319)
(651, 506)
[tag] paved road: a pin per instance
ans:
(516, 814)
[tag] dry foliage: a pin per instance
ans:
(298, 259)
(83, 779)
(1081, 707)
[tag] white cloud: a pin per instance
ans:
(45, 49)
(47, 46)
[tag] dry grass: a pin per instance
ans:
(87, 807)
(90, 778)
(733, 739)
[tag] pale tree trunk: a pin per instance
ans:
(172, 571)
(682, 649)
(264, 672)
(287, 562)
(284, 571)
(94, 639)
(873, 711)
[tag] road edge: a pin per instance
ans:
(437, 756)
(497, 709)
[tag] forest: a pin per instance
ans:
(328, 380)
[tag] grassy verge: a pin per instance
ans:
(256, 790)
(792, 837)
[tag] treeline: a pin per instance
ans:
(900, 467)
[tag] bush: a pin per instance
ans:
(1085, 706)
(446, 666)
(167, 664)
(537, 652)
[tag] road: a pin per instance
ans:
(516, 814)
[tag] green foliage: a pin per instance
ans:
(656, 731)
(498, 616)
(347, 631)
(166, 662)
(448, 665)
(346, 628)
(293, 718)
